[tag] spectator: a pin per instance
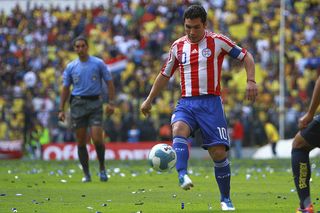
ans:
(272, 135)
(165, 132)
(237, 137)
(133, 134)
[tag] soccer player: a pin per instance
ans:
(86, 74)
(199, 56)
(307, 139)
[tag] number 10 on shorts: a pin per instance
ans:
(223, 133)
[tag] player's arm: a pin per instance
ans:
(107, 77)
(162, 80)
(63, 98)
(111, 93)
(66, 82)
(243, 55)
(252, 89)
(315, 101)
(158, 85)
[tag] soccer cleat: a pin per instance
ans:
(103, 176)
(185, 182)
(226, 205)
(86, 178)
(309, 209)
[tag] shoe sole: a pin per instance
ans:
(188, 186)
(227, 208)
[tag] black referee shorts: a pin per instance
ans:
(312, 132)
(86, 112)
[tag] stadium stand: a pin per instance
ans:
(133, 37)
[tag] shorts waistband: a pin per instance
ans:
(200, 97)
(86, 97)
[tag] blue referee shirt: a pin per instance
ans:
(86, 77)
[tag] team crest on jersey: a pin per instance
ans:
(206, 52)
(94, 77)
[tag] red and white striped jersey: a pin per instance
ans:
(200, 63)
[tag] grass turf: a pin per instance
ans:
(256, 186)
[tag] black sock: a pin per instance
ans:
(302, 173)
(84, 158)
(100, 149)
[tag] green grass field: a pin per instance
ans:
(38, 186)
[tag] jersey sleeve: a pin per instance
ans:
(171, 63)
(67, 79)
(231, 48)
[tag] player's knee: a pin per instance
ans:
(97, 139)
(218, 153)
(298, 142)
(181, 129)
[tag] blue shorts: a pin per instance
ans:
(205, 113)
(312, 132)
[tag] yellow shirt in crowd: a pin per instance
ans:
(272, 132)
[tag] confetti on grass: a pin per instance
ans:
(139, 203)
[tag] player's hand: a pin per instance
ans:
(146, 107)
(61, 116)
(305, 120)
(252, 91)
(110, 109)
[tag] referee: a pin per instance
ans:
(86, 74)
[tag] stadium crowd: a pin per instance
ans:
(35, 48)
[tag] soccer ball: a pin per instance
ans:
(162, 157)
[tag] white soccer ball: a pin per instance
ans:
(162, 157)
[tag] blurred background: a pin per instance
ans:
(133, 38)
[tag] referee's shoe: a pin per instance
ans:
(103, 176)
(86, 178)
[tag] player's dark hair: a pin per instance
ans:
(80, 38)
(195, 11)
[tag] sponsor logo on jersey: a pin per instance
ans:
(194, 51)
